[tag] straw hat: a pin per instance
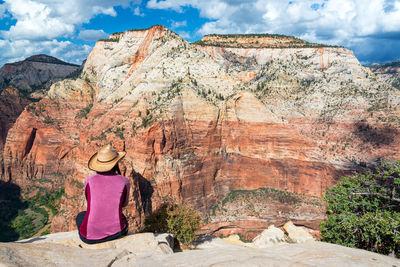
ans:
(105, 159)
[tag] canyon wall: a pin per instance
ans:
(199, 122)
(24, 82)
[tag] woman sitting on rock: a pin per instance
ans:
(106, 193)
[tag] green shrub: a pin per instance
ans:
(364, 212)
(48, 120)
(176, 219)
(147, 120)
(84, 112)
(120, 132)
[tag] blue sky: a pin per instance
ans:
(68, 29)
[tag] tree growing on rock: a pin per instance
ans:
(177, 219)
(364, 210)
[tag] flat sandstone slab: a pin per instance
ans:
(143, 250)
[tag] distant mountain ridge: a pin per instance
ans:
(43, 59)
(386, 68)
(35, 72)
(389, 72)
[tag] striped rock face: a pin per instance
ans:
(247, 135)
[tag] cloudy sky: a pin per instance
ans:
(68, 29)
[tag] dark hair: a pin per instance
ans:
(114, 170)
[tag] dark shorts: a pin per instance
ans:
(79, 220)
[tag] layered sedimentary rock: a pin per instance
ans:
(24, 82)
(12, 103)
(200, 121)
(35, 72)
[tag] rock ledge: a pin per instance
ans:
(148, 249)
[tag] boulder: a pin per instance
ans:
(269, 237)
(296, 234)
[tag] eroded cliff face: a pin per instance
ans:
(12, 103)
(22, 83)
(198, 122)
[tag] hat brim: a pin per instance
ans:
(99, 166)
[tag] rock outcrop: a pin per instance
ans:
(269, 237)
(65, 249)
(296, 234)
(199, 122)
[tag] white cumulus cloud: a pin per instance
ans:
(40, 24)
(21, 49)
(178, 24)
(137, 12)
(92, 35)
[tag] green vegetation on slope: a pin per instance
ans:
(22, 218)
(10, 204)
(252, 202)
(84, 112)
(364, 210)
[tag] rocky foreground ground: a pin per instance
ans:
(271, 248)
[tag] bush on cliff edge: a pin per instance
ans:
(364, 210)
(177, 219)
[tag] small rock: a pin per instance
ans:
(165, 243)
(143, 243)
(297, 234)
(269, 237)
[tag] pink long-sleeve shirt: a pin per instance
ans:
(105, 196)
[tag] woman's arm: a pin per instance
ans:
(128, 188)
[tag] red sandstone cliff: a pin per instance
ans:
(198, 122)
(23, 82)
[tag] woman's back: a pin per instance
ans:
(106, 194)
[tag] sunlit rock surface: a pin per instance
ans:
(146, 249)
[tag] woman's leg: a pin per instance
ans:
(108, 238)
(79, 218)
